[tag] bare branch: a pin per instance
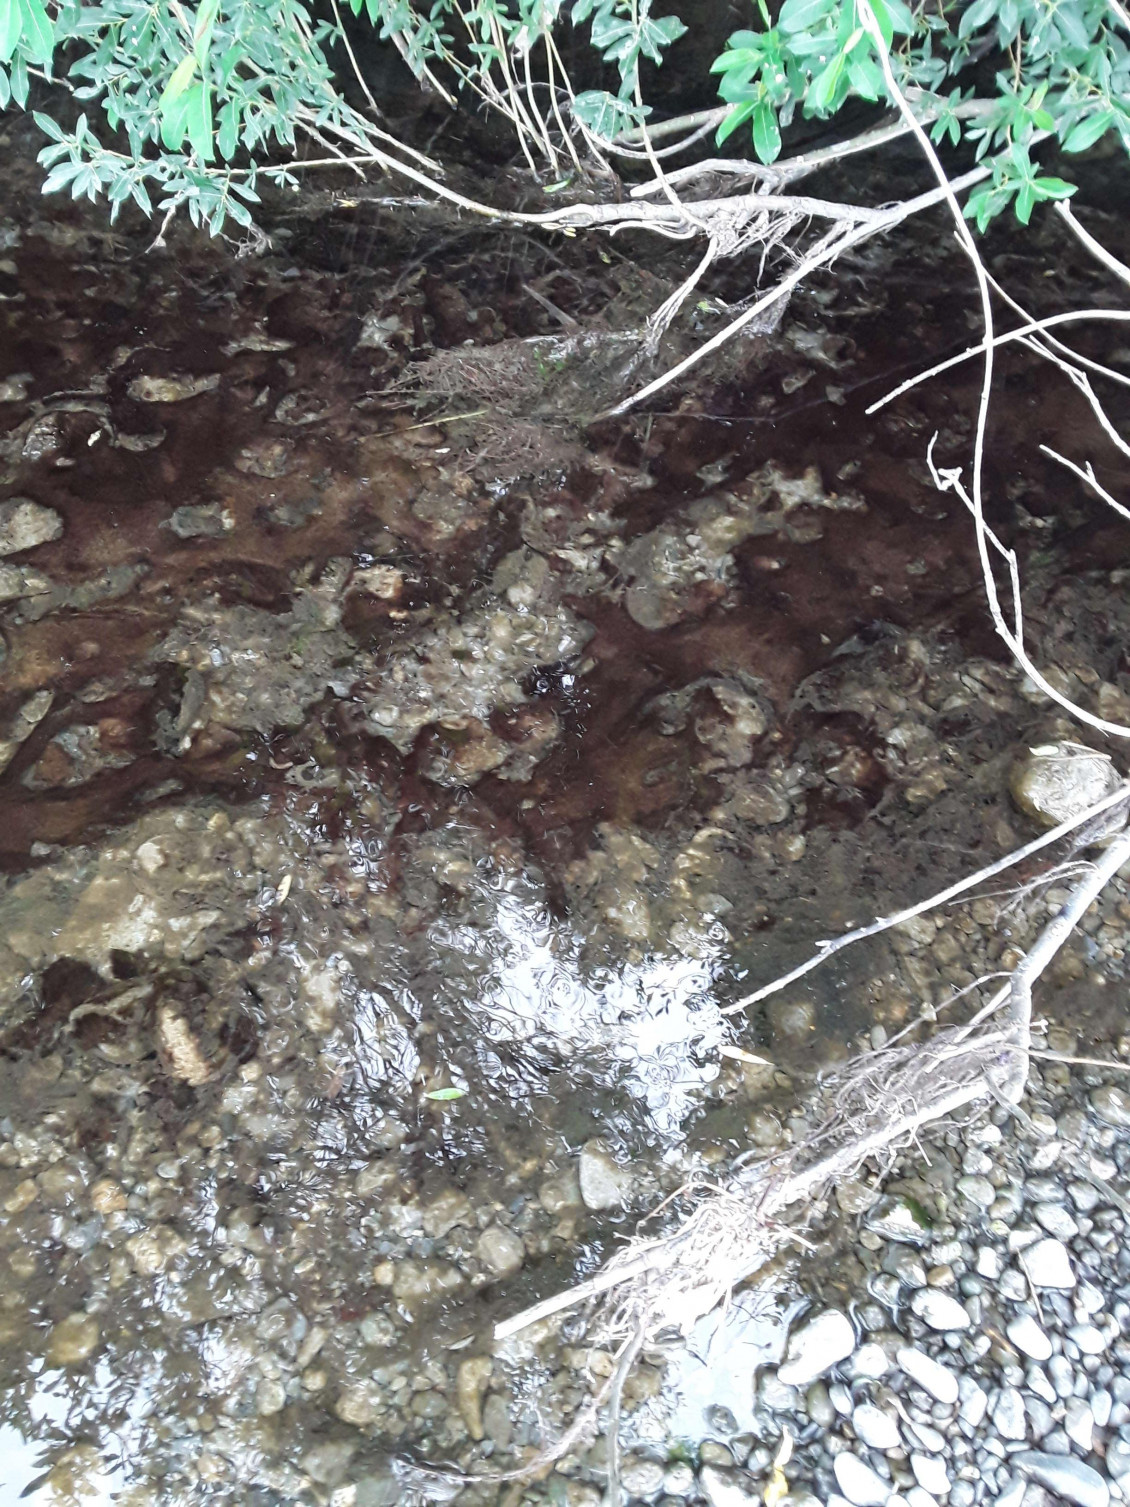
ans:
(1096, 248)
(1086, 474)
(825, 950)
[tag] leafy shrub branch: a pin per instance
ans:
(189, 108)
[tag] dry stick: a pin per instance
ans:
(975, 500)
(826, 252)
(1034, 327)
(873, 928)
(1086, 473)
(987, 1083)
(1096, 248)
(1050, 940)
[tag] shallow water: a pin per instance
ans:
(381, 831)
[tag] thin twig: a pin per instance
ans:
(1034, 327)
(885, 923)
(1096, 248)
(1086, 473)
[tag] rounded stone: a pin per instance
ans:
(1057, 781)
(816, 1346)
(604, 1184)
(501, 1250)
(74, 1340)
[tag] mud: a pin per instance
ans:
(384, 826)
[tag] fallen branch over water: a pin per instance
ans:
(870, 1108)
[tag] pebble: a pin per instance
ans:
(1067, 1477)
(939, 1310)
(729, 1488)
(978, 1190)
(859, 1483)
(604, 1183)
(1029, 1338)
(1008, 1414)
(25, 524)
(73, 1340)
(1056, 1220)
(869, 1363)
(816, 1346)
(899, 1219)
(1049, 1266)
(1079, 1423)
(641, 1477)
(974, 1402)
(1112, 1105)
(930, 1374)
(501, 1250)
(931, 1474)
(270, 1397)
(874, 1427)
(471, 1382)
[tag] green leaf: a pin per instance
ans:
(737, 117)
(977, 15)
(1025, 200)
(38, 33)
(802, 15)
(1088, 131)
(604, 114)
(198, 121)
(1054, 188)
(766, 133)
(823, 87)
(446, 1095)
(181, 78)
(11, 24)
(202, 31)
(48, 126)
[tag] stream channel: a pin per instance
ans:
(390, 807)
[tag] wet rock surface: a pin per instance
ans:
(383, 831)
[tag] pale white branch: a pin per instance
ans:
(1086, 473)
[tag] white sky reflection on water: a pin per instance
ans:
(658, 1018)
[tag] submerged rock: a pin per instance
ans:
(25, 524)
(1057, 781)
(816, 1347)
(604, 1184)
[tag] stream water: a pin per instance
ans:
(385, 824)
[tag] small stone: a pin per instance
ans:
(815, 1347)
(978, 1191)
(1056, 1220)
(73, 1340)
(604, 1184)
(989, 1263)
(916, 1497)
(501, 1250)
(25, 525)
(1066, 1476)
(869, 1363)
(641, 1477)
(1029, 1338)
(1079, 1423)
(327, 1462)
(678, 1479)
(1112, 1105)
(974, 1402)
(1091, 1341)
(727, 1488)
(1101, 1404)
(170, 389)
(22, 1196)
(359, 1404)
(777, 1395)
(1048, 1265)
(1060, 780)
(859, 1483)
(1008, 1415)
(873, 1427)
(939, 1310)
(471, 1382)
(818, 1405)
(561, 1193)
(270, 1397)
(710, 1452)
(931, 1474)
(899, 1219)
(930, 1375)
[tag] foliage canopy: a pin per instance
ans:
(191, 108)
